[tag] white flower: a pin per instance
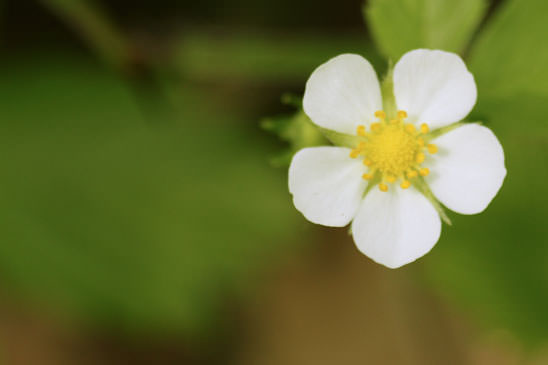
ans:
(404, 152)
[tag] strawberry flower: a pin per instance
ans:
(399, 157)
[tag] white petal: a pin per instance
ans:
(343, 93)
(396, 227)
(327, 185)
(434, 87)
(468, 170)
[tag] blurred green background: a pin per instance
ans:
(144, 211)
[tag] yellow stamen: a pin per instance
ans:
(393, 150)
(412, 174)
(355, 153)
(410, 128)
(375, 127)
(358, 150)
(380, 114)
(368, 176)
(432, 148)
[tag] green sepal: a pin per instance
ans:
(443, 130)
(293, 100)
(341, 139)
(423, 187)
(297, 130)
(387, 92)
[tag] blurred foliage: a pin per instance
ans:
(401, 25)
(136, 227)
(91, 22)
(207, 55)
(497, 262)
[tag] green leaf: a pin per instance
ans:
(509, 62)
(402, 25)
(510, 56)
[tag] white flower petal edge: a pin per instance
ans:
(396, 227)
(434, 87)
(468, 170)
(343, 93)
(326, 184)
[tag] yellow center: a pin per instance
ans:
(393, 150)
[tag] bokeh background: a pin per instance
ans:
(144, 211)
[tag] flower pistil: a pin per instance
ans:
(393, 150)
